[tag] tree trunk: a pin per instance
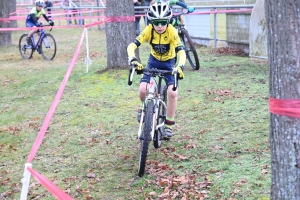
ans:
(283, 23)
(120, 32)
(6, 7)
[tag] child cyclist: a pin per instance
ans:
(165, 44)
(33, 17)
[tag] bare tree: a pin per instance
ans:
(283, 22)
(119, 32)
(6, 7)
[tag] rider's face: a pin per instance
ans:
(160, 26)
(39, 8)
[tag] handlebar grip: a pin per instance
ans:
(176, 82)
(129, 76)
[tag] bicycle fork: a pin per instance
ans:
(155, 114)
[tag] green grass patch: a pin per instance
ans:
(220, 149)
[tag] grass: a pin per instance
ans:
(220, 149)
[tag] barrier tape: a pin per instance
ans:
(285, 107)
(120, 19)
(55, 102)
(52, 188)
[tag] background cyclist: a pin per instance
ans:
(33, 17)
(165, 44)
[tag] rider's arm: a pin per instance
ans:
(181, 4)
(182, 57)
(130, 49)
(143, 37)
(179, 49)
(46, 18)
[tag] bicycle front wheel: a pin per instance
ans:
(48, 46)
(190, 50)
(146, 137)
(161, 117)
(24, 49)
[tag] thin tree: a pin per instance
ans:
(120, 31)
(283, 23)
(6, 7)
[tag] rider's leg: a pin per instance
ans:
(142, 94)
(28, 39)
(172, 102)
(171, 109)
(143, 91)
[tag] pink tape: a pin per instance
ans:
(285, 107)
(52, 188)
(55, 102)
(120, 19)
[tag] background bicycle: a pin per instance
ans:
(187, 42)
(47, 45)
(153, 114)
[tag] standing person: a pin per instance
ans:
(165, 44)
(33, 17)
(48, 6)
(146, 3)
(137, 19)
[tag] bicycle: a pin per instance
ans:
(186, 40)
(47, 48)
(153, 112)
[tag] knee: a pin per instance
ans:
(143, 89)
(172, 95)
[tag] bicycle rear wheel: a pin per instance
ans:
(161, 117)
(146, 137)
(190, 50)
(48, 47)
(25, 50)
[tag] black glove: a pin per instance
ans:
(51, 23)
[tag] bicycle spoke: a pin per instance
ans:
(24, 49)
(48, 47)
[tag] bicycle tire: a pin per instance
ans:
(146, 137)
(48, 47)
(162, 112)
(25, 50)
(190, 50)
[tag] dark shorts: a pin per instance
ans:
(163, 65)
(30, 24)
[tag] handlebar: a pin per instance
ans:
(181, 13)
(41, 27)
(154, 72)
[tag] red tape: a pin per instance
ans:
(53, 189)
(120, 19)
(55, 102)
(285, 107)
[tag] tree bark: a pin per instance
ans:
(6, 7)
(283, 23)
(119, 34)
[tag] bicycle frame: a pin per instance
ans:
(40, 39)
(153, 95)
